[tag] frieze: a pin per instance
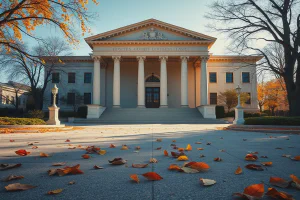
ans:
(149, 49)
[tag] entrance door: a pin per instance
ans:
(152, 97)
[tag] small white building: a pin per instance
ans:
(153, 64)
(8, 92)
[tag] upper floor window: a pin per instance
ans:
(212, 77)
(246, 77)
(87, 77)
(71, 77)
(87, 98)
(249, 99)
(55, 77)
(229, 77)
(213, 98)
(71, 98)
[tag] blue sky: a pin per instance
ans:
(113, 14)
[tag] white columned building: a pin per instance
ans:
(163, 66)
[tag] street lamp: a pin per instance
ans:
(54, 92)
(238, 91)
(239, 111)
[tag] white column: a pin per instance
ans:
(141, 82)
(96, 80)
(184, 81)
(163, 82)
(116, 82)
(203, 81)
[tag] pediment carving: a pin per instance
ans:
(153, 34)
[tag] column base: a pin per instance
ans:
(163, 106)
(208, 111)
(184, 106)
(94, 111)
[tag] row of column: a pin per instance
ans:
(141, 81)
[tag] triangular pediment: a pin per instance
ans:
(151, 30)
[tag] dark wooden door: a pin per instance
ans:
(152, 97)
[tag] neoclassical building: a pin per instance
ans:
(152, 64)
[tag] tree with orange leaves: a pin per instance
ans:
(21, 17)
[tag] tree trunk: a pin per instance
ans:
(294, 102)
(260, 107)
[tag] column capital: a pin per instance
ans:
(116, 58)
(96, 58)
(184, 58)
(141, 58)
(163, 58)
(204, 58)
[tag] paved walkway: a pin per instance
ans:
(113, 182)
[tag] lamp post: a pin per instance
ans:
(53, 110)
(239, 111)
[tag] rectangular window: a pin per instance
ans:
(71, 98)
(246, 77)
(249, 100)
(212, 77)
(71, 77)
(229, 77)
(56, 100)
(213, 98)
(55, 77)
(87, 98)
(87, 77)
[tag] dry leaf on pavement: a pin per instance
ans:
(207, 182)
(152, 176)
(12, 177)
(135, 177)
(18, 187)
(252, 192)
(57, 191)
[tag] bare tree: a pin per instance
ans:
(36, 71)
(249, 23)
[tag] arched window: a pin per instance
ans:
(152, 78)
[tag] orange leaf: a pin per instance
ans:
(296, 158)
(12, 177)
(188, 147)
(174, 167)
(267, 163)
(43, 154)
(124, 147)
(152, 176)
(182, 158)
(255, 191)
(69, 170)
(254, 167)
(55, 191)
(295, 179)
(200, 149)
(238, 170)
(135, 177)
(112, 146)
(139, 165)
(85, 156)
(180, 149)
(280, 182)
(251, 157)
(166, 153)
(272, 192)
(218, 159)
(200, 166)
(22, 152)
(176, 155)
(67, 140)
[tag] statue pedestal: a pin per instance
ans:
(53, 116)
(239, 116)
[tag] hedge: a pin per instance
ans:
(220, 112)
(82, 111)
(21, 121)
(247, 114)
(285, 121)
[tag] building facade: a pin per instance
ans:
(152, 64)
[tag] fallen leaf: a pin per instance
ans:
(182, 158)
(158, 148)
(296, 158)
(18, 187)
(92, 149)
(177, 154)
(67, 140)
(117, 161)
(207, 182)
(57, 191)
(272, 192)
(296, 181)
(137, 148)
(85, 156)
(198, 142)
(135, 177)
(280, 182)
(124, 147)
(209, 143)
(71, 183)
(69, 170)
(34, 147)
(153, 160)
(180, 149)
(189, 170)
(72, 148)
(112, 146)
(139, 165)
(12, 177)
(166, 153)
(222, 150)
(251, 157)
(43, 155)
(174, 167)
(200, 166)
(152, 176)
(102, 152)
(287, 156)
(188, 147)
(200, 149)
(264, 156)
(29, 144)
(9, 166)
(59, 164)
(218, 159)
(11, 140)
(173, 140)
(238, 170)
(202, 156)
(254, 167)
(22, 152)
(267, 163)
(98, 167)
(158, 140)
(52, 172)
(252, 192)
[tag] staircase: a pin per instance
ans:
(150, 116)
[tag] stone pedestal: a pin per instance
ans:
(239, 116)
(53, 116)
(94, 111)
(208, 111)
